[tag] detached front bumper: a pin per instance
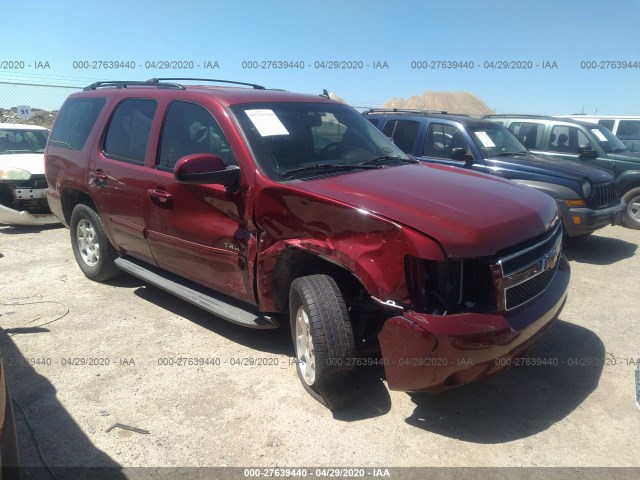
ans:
(581, 221)
(10, 216)
(424, 352)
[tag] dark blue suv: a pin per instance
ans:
(586, 195)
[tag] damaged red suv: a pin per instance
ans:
(267, 207)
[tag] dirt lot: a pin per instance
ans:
(246, 407)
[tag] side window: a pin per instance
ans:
(128, 131)
(374, 121)
(607, 123)
(404, 133)
(442, 139)
(629, 129)
(567, 139)
(529, 134)
(75, 121)
(190, 128)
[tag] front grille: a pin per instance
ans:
(521, 276)
(529, 289)
(36, 181)
(604, 195)
(528, 255)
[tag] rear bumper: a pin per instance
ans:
(580, 221)
(10, 216)
(431, 353)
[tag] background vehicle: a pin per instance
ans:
(262, 206)
(585, 195)
(22, 184)
(586, 143)
(625, 127)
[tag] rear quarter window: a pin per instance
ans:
(75, 121)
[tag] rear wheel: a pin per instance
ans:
(631, 217)
(93, 251)
(323, 339)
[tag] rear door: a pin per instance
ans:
(199, 232)
(118, 178)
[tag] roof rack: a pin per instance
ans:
(127, 83)
(162, 83)
(253, 85)
(402, 110)
(516, 115)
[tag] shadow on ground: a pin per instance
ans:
(20, 229)
(523, 400)
(371, 395)
(598, 250)
(64, 446)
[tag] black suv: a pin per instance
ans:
(585, 195)
(585, 143)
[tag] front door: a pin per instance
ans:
(197, 231)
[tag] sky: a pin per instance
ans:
(581, 41)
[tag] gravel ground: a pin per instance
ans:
(245, 406)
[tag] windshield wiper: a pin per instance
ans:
(388, 158)
(326, 166)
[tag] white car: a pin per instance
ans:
(23, 187)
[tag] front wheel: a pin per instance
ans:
(631, 218)
(323, 339)
(91, 247)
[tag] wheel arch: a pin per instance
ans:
(70, 198)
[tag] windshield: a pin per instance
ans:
(496, 140)
(293, 140)
(607, 140)
(22, 141)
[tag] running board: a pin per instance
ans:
(186, 290)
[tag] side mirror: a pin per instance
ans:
(587, 151)
(459, 154)
(201, 168)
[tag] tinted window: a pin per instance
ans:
(607, 123)
(128, 131)
(530, 134)
(75, 121)
(22, 141)
(374, 121)
(442, 139)
(190, 128)
(628, 129)
(404, 134)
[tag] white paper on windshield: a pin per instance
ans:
(485, 139)
(599, 134)
(267, 122)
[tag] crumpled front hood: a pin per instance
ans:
(31, 162)
(553, 167)
(468, 213)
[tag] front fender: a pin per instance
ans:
(559, 192)
(626, 180)
(371, 247)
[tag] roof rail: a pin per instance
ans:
(402, 110)
(253, 85)
(162, 83)
(516, 115)
(127, 83)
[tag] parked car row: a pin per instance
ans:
(585, 195)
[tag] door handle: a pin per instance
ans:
(99, 178)
(161, 198)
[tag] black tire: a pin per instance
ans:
(327, 345)
(93, 251)
(631, 218)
